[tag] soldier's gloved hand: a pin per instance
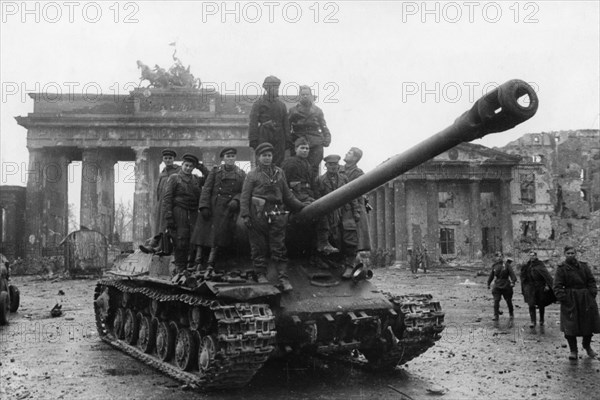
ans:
(206, 214)
(234, 206)
(247, 222)
(171, 224)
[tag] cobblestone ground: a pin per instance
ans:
(62, 358)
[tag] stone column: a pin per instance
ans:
(141, 197)
(389, 216)
(98, 191)
(373, 219)
(380, 218)
(506, 217)
(154, 161)
(34, 207)
(56, 212)
(433, 229)
(400, 220)
(475, 219)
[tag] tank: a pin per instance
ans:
(217, 330)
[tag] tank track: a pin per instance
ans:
(244, 336)
(419, 325)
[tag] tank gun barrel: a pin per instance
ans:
(497, 111)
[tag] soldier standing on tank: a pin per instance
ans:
(160, 223)
(341, 223)
(180, 207)
(264, 194)
(269, 121)
(302, 180)
(307, 120)
(219, 206)
(351, 170)
(505, 279)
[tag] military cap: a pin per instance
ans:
(261, 148)
(300, 141)
(358, 152)
(333, 158)
(271, 80)
(227, 150)
(169, 152)
(191, 158)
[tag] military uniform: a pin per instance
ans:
(364, 239)
(163, 177)
(309, 122)
(341, 223)
(505, 279)
(223, 186)
(300, 177)
(269, 123)
(180, 207)
(264, 194)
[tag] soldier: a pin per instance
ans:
(264, 193)
(180, 208)
(307, 120)
(269, 121)
(351, 170)
(219, 206)
(341, 223)
(160, 223)
(301, 180)
(505, 279)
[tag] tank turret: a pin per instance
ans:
(219, 328)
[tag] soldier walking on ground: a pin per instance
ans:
(264, 194)
(269, 121)
(351, 170)
(180, 207)
(536, 286)
(219, 207)
(307, 121)
(575, 288)
(504, 279)
(341, 223)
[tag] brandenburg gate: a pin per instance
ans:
(106, 129)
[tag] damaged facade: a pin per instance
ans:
(537, 192)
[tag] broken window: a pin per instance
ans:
(528, 230)
(446, 199)
(527, 188)
(491, 241)
(447, 240)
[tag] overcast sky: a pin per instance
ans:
(388, 74)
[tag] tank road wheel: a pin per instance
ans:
(186, 349)
(206, 353)
(165, 341)
(4, 308)
(15, 298)
(130, 327)
(119, 323)
(194, 316)
(154, 308)
(146, 333)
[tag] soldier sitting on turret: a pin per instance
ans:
(264, 193)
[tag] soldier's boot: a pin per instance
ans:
(261, 274)
(181, 275)
(212, 257)
(532, 317)
(282, 276)
(348, 267)
(542, 312)
(150, 246)
(323, 245)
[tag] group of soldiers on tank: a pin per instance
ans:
(201, 212)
